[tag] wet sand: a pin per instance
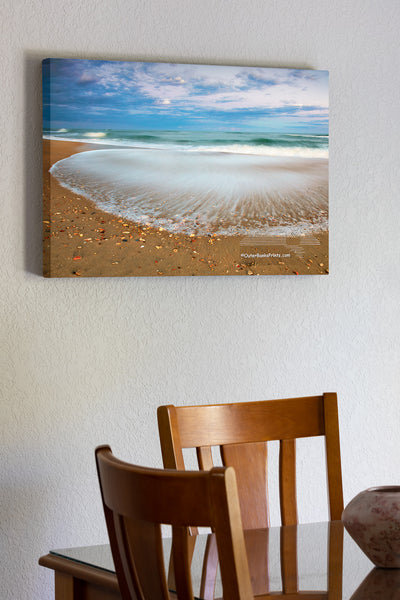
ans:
(80, 240)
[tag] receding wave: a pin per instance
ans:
(266, 150)
(202, 192)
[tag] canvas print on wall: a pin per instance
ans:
(158, 169)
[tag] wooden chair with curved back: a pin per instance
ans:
(137, 500)
(242, 431)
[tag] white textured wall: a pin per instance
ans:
(88, 361)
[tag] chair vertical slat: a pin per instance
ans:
(205, 462)
(210, 562)
(250, 464)
(143, 555)
(289, 568)
(333, 460)
(257, 548)
(126, 587)
(210, 568)
(190, 547)
(130, 575)
(182, 557)
(204, 458)
(230, 537)
(287, 481)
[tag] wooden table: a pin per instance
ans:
(312, 561)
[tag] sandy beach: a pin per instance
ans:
(80, 240)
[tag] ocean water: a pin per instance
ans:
(203, 182)
(269, 144)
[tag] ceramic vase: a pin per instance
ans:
(372, 519)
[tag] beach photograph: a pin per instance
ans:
(164, 169)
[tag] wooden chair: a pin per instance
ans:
(242, 431)
(137, 500)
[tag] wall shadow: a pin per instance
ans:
(32, 162)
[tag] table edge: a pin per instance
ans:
(80, 571)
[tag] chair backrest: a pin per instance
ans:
(242, 431)
(137, 500)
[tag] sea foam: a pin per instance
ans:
(203, 192)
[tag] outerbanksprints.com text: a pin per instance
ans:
(266, 255)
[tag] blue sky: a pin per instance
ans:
(165, 96)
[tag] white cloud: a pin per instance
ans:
(212, 87)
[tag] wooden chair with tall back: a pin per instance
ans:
(137, 500)
(242, 431)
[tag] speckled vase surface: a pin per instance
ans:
(372, 519)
